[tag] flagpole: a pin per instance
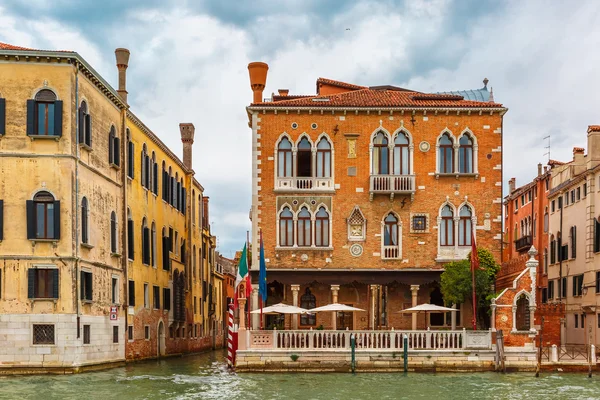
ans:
(248, 264)
(260, 300)
(473, 249)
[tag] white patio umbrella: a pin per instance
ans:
(335, 307)
(427, 308)
(281, 308)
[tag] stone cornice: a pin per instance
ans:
(344, 110)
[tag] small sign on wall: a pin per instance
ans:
(113, 313)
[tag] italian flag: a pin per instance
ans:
(243, 275)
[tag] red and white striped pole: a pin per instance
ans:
(231, 340)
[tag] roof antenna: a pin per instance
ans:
(547, 147)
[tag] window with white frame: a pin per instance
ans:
(401, 154)
(323, 159)
(284, 158)
(465, 154)
(391, 234)
(380, 154)
(322, 228)
(445, 154)
(286, 228)
(465, 226)
(447, 226)
(304, 228)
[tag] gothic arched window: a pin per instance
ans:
(304, 231)
(465, 226)
(286, 228)
(284, 158)
(401, 155)
(446, 154)
(323, 159)
(465, 155)
(322, 228)
(380, 154)
(447, 227)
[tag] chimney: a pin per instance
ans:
(284, 92)
(539, 169)
(511, 185)
(187, 138)
(205, 219)
(545, 169)
(258, 79)
(122, 64)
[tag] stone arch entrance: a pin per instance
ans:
(161, 339)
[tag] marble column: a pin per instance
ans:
(295, 291)
(373, 295)
(414, 290)
(255, 317)
(334, 296)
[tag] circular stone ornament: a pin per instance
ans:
(294, 125)
(356, 250)
(304, 257)
(424, 146)
(504, 318)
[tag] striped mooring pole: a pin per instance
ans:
(231, 340)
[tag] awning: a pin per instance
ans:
(346, 276)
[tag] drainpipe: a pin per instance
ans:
(76, 211)
(560, 260)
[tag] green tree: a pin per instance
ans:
(456, 282)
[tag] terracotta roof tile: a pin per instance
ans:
(339, 84)
(381, 98)
(594, 128)
(6, 46)
(555, 162)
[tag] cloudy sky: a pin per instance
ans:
(188, 64)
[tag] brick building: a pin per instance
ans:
(364, 193)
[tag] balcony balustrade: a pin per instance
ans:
(392, 184)
(523, 244)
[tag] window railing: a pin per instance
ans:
(391, 252)
(387, 184)
(304, 184)
(523, 243)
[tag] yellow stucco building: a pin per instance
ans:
(103, 229)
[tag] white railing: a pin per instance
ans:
(302, 184)
(368, 340)
(391, 252)
(392, 183)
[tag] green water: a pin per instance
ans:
(206, 377)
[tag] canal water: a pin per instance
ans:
(205, 376)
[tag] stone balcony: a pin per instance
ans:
(392, 185)
(304, 184)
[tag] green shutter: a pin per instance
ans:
(2, 117)
(31, 283)
(155, 179)
(80, 126)
(117, 151)
(31, 117)
(81, 285)
(130, 240)
(58, 111)
(88, 130)
(57, 219)
(30, 219)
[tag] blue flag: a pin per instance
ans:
(262, 274)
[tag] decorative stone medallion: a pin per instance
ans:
(304, 257)
(294, 125)
(424, 146)
(504, 318)
(356, 250)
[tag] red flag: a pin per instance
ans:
(248, 286)
(474, 255)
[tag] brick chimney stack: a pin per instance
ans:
(283, 92)
(122, 56)
(205, 216)
(258, 79)
(593, 145)
(539, 169)
(187, 138)
(511, 185)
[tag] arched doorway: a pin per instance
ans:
(161, 339)
(436, 319)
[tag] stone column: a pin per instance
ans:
(414, 290)
(295, 290)
(242, 344)
(334, 296)
(373, 294)
(453, 318)
(255, 317)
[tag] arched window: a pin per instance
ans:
(308, 301)
(171, 186)
(144, 166)
(85, 233)
(130, 236)
(114, 155)
(447, 227)
(390, 232)
(381, 156)
(194, 261)
(84, 125)
(401, 155)
(465, 155)
(465, 226)
(153, 240)
(546, 220)
(552, 249)
(286, 228)
(304, 158)
(43, 217)
(165, 182)
(522, 314)
(193, 207)
(304, 231)
(145, 243)
(130, 156)
(284, 158)
(113, 232)
(573, 234)
(545, 260)
(44, 114)
(323, 159)
(176, 190)
(446, 154)
(182, 197)
(153, 175)
(166, 243)
(182, 251)
(322, 228)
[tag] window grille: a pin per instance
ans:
(43, 334)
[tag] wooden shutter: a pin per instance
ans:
(155, 180)
(183, 200)
(58, 111)
(82, 285)
(55, 283)
(130, 240)
(30, 205)
(1, 219)
(31, 117)
(165, 252)
(2, 116)
(146, 255)
(117, 151)
(574, 244)
(80, 126)
(57, 219)
(178, 191)
(131, 293)
(148, 172)
(31, 283)
(88, 130)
